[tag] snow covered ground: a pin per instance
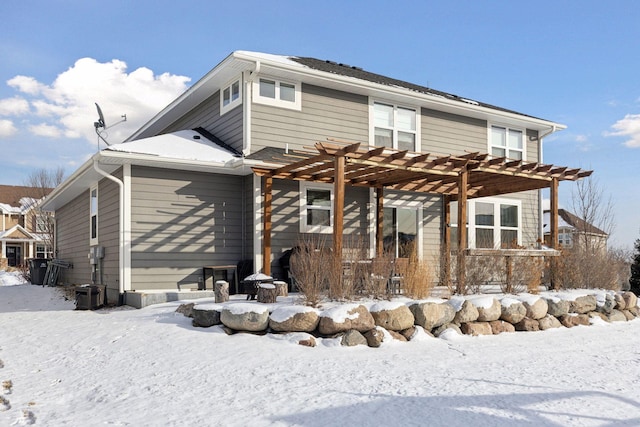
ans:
(150, 367)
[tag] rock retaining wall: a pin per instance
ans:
(356, 324)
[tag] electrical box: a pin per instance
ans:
(96, 253)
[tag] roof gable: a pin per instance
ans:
(17, 232)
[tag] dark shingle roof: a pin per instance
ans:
(578, 223)
(11, 194)
(359, 73)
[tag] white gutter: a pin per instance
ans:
(553, 129)
(246, 120)
(121, 275)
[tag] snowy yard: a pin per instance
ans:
(150, 367)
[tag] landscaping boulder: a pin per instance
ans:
(528, 325)
(345, 317)
(186, 309)
(409, 333)
(512, 310)
(599, 315)
(294, 318)
(395, 317)
(205, 317)
(397, 336)
(617, 316)
(557, 307)
(476, 328)
(467, 313)
(537, 308)
(500, 326)
(352, 338)
(630, 299)
(245, 317)
(430, 315)
(374, 337)
(548, 322)
(621, 303)
(583, 304)
(628, 314)
(571, 320)
(308, 342)
(608, 304)
(439, 330)
(489, 308)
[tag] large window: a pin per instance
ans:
(43, 251)
(316, 208)
(394, 126)
(400, 231)
(491, 223)
(277, 93)
(507, 142)
(230, 96)
(93, 216)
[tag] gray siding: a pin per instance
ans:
(444, 133)
(109, 233)
(227, 127)
(180, 222)
(325, 114)
(248, 212)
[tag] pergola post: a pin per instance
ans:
(266, 237)
(463, 180)
(379, 221)
(553, 218)
(446, 250)
(338, 206)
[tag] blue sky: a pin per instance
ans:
(573, 62)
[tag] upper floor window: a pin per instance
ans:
(277, 93)
(316, 208)
(394, 126)
(93, 216)
(230, 96)
(565, 240)
(507, 142)
(491, 223)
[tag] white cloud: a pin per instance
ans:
(43, 129)
(7, 128)
(13, 106)
(629, 126)
(67, 105)
(582, 138)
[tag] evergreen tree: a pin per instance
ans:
(635, 269)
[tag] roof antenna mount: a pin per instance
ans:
(100, 126)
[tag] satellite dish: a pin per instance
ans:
(100, 123)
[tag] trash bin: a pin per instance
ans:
(89, 297)
(38, 269)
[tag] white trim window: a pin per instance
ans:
(394, 126)
(93, 215)
(43, 251)
(230, 96)
(316, 208)
(278, 93)
(565, 240)
(492, 223)
(507, 142)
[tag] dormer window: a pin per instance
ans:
(230, 96)
(277, 93)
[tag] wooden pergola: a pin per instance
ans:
(455, 177)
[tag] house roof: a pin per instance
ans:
(568, 220)
(383, 167)
(12, 195)
(18, 232)
(336, 76)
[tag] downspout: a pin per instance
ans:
(120, 226)
(540, 207)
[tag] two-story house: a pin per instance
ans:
(22, 233)
(227, 172)
(575, 232)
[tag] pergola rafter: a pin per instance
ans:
(456, 177)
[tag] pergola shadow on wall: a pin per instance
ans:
(455, 177)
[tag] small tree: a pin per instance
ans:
(43, 181)
(635, 269)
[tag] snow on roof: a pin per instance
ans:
(283, 59)
(183, 145)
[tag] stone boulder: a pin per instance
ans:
(558, 307)
(512, 310)
(467, 313)
(431, 315)
(397, 336)
(635, 311)
(571, 320)
(598, 315)
(352, 338)
(608, 304)
(374, 337)
(536, 307)
(527, 325)
(395, 317)
(310, 341)
(489, 308)
(439, 330)
(245, 317)
(630, 299)
(549, 322)
(345, 317)
(617, 316)
(621, 304)
(409, 333)
(205, 317)
(186, 309)
(628, 314)
(583, 304)
(476, 328)
(500, 326)
(294, 318)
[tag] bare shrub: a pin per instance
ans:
(308, 269)
(418, 276)
(480, 270)
(589, 269)
(526, 275)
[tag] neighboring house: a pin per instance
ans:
(575, 232)
(180, 193)
(21, 233)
